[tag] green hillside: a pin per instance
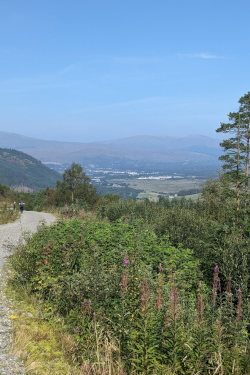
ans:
(18, 169)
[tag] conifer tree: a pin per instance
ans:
(236, 148)
(244, 111)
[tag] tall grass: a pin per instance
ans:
(7, 213)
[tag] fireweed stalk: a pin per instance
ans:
(216, 285)
(229, 288)
(200, 305)
(174, 301)
(173, 304)
(145, 296)
(239, 307)
(86, 307)
(158, 303)
(124, 281)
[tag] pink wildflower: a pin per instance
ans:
(126, 262)
(216, 269)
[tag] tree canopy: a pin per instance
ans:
(236, 157)
(75, 187)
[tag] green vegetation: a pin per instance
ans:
(7, 211)
(23, 171)
(121, 283)
(236, 157)
(7, 215)
(153, 188)
(75, 189)
(39, 343)
(142, 288)
(122, 189)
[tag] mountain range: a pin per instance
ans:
(138, 151)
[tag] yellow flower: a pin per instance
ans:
(13, 317)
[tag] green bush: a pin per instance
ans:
(120, 277)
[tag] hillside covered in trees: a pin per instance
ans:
(20, 170)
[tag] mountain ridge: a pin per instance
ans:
(195, 149)
(18, 169)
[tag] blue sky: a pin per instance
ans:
(88, 70)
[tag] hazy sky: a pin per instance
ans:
(85, 70)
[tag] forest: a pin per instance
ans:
(146, 287)
(20, 170)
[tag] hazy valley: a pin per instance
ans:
(135, 167)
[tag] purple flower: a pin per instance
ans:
(216, 269)
(239, 291)
(64, 246)
(160, 268)
(126, 262)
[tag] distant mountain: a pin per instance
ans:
(149, 151)
(22, 171)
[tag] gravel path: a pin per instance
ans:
(10, 235)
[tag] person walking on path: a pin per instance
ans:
(21, 206)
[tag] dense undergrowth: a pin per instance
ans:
(7, 214)
(145, 288)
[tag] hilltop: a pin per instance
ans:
(22, 171)
(133, 152)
